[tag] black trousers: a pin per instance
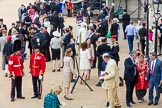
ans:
(37, 87)
(140, 94)
(69, 13)
(48, 56)
(95, 57)
(142, 41)
(129, 90)
(124, 27)
(16, 84)
(160, 44)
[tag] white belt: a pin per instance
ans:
(16, 65)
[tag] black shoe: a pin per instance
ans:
(98, 84)
(12, 99)
(61, 67)
(73, 80)
(128, 105)
(34, 97)
(155, 104)
(150, 103)
(107, 104)
(68, 98)
(39, 97)
(21, 97)
(119, 106)
(6, 75)
(53, 70)
(58, 70)
(133, 102)
(93, 67)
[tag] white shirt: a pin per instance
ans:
(56, 43)
(83, 33)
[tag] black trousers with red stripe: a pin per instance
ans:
(16, 84)
(37, 87)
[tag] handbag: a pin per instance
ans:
(108, 34)
(91, 59)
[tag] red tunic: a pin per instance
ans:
(69, 5)
(15, 65)
(142, 82)
(37, 64)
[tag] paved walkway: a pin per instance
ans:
(82, 95)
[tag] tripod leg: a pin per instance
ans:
(85, 83)
(78, 79)
(74, 84)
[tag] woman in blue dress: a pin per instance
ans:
(60, 6)
(51, 100)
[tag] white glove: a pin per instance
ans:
(40, 77)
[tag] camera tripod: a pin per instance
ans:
(80, 78)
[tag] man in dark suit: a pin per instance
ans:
(61, 24)
(2, 26)
(55, 19)
(103, 48)
(89, 15)
(101, 16)
(125, 20)
(28, 20)
(142, 34)
(160, 38)
(130, 77)
(154, 75)
(52, 6)
(47, 6)
(67, 38)
(102, 29)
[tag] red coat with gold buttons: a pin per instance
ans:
(37, 64)
(15, 65)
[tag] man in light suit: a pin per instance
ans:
(111, 81)
(154, 75)
(130, 77)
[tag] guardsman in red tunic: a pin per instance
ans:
(37, 68)
(15, 67)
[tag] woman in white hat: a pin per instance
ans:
(55, 45)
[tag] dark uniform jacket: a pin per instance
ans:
(103, 48)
